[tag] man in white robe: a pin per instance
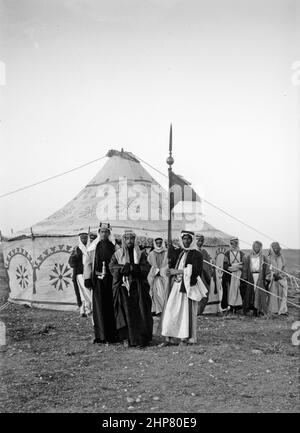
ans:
(76, 261)
(277, 281)
(187, 289)
(157, 278)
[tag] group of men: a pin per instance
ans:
(122, 287)
(255, 283)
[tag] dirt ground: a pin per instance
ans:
(239, 365)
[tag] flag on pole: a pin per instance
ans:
(181, 190)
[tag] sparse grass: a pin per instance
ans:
(51, 365)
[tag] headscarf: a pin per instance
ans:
(253, 253)
(193, 243)
(95, 242)
(199, 236)
(272, 246)
(278, 258)
(83, 248)
(234, 242)
(159, 249)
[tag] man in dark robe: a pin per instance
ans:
(132, 302)
(98, 278)
(206, 271)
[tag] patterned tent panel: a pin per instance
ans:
(39, 273)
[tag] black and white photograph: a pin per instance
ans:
(149, 211)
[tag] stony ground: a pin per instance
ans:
(239, 365)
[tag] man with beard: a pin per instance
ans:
(97, 277)
(132, 302)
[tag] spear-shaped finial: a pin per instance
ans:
(170, 160)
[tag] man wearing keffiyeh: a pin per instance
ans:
(206, 272)
(132, 302)
(278, 281)
(98, 279)
(187, 289)
(233, 265)
(76, 261)
(255, 271)
(158, 281)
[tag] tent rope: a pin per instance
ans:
(4, 306)
(51, 177)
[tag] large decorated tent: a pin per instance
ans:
(122, 192)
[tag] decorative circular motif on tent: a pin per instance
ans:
(22, 276)
(60, 276)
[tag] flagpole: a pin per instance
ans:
(170, 162)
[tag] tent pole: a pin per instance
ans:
(170, 162)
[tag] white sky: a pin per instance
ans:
(86, 76)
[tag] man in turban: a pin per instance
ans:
(187, 289)
(132, 302)
(97, 277)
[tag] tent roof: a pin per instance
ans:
(81, 212)
(121, 164)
